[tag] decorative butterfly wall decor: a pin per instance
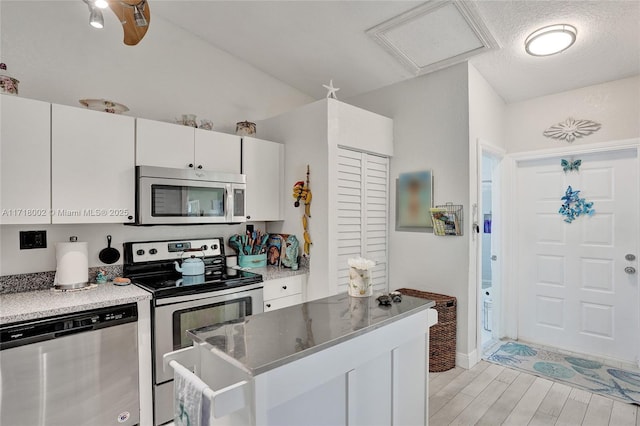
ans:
(569, 165)
(574, 206)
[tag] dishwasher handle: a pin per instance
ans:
(73, 331)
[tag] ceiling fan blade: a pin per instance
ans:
(123, 10)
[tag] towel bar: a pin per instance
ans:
(223, 401)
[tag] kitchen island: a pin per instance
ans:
(332, 361)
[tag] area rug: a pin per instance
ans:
(593, 376)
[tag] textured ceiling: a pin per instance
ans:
(306, 43)
(607, 46)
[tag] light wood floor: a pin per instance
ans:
(492, 395)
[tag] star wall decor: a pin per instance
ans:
(572, 129)
(331, 94)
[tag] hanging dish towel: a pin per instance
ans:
(190, 406)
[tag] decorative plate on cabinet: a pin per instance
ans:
(104, 105)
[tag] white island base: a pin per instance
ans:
(378, 375)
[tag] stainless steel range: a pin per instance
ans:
(182, 302)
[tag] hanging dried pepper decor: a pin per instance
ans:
(302, 192)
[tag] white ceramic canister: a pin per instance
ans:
(360, 282)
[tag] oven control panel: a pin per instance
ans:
(174, 250)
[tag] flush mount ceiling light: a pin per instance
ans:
(550, 40)
(102, 4)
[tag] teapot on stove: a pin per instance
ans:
(192, 265)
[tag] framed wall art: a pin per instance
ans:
(414, 198)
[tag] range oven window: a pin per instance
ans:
(200, 316)
(184, 201)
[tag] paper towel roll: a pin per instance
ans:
(72, 270)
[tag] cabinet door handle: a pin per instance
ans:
(284, 287)
(190, 165)
(248, 217)
(268, 305)
(130, 217)
(200, 166)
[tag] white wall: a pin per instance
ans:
(304, 134)
(486, 126)
(431, 131)
(16, 261)
(50, 47)
(311, 135)
(615, 105)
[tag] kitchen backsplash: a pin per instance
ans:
(44, 280)
(17, 262)
(33, 281)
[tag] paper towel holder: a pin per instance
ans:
(74, 263)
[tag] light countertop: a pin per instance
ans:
(29, 305)
(17, 307)
(262, 342)
(274, 272)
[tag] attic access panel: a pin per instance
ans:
(434, 35)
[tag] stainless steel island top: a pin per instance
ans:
(262, 342)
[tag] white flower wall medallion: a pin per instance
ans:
(571, 129)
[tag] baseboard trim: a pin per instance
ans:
(467, 361)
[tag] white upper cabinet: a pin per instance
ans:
(25, 156)
(163, 144)
(173, 145)
(262, 163)
(92, 173)
(217, 151)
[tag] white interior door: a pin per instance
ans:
(573, 290)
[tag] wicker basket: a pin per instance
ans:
(442, 336)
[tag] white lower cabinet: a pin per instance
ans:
(283, 292)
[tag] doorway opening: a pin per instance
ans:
(489, 247)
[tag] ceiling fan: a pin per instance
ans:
(134, 15)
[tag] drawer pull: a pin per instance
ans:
(284, 287)
(268, 305)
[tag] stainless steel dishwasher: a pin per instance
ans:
(76, 369)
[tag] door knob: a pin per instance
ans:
(630, 257)
(630, 270)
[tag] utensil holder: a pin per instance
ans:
(253, 260)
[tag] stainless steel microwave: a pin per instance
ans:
(166, 196)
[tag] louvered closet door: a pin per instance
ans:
(363, 188)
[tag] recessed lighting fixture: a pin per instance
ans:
(102, 4)
(550, 40)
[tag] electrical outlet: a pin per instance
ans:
(33, 240)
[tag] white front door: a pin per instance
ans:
(573, 290)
